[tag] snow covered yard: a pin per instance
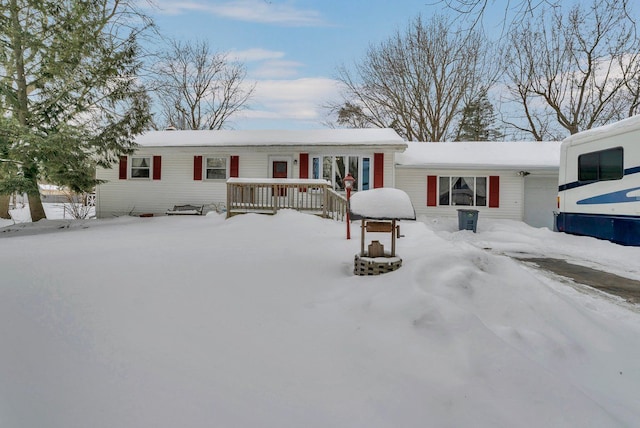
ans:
(258, 321)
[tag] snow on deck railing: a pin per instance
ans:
(268, 195)
(280, 181)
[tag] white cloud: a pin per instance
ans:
(262, 11)
(277, 69)
(269, 64)
(299, 99)
(256, 54)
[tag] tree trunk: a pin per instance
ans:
(35, 202)
(35, 208)
(4, 206)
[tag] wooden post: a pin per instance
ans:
(362, 230)
(325, 200)
(274, 198)
(229, 190)
(393, 238)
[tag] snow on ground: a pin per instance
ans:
(258, 321)
(55, 211)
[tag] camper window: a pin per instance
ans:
(602, 165)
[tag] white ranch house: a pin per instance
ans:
(192, 167)
(170, 168)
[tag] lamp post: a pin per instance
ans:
(348, 181)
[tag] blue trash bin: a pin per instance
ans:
(468, 220)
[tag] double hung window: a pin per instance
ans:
(140, 167)
(465, 191)
(216, 168)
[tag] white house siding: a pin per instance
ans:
(414, 182)
(177, 187)
(389, 170)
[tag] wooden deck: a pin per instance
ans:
(267, 196)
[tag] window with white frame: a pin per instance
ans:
(335, 168)
(465, 191)
(216, 168)
(140, 167)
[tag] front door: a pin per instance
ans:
(280, 171)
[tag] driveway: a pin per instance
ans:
(626, 288)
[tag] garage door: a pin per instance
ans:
(540, 200)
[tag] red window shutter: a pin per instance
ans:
(123, 168)
(197, 167)
(378, 170)
(432, 190)
(234, 168)
(304, 165)
(157, 167)
(494, 191)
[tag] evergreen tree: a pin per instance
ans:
(69, 90)
(5, 167)
(352, 115)
(478, 119)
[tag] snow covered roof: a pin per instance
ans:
(323, 137)
(382, 204)
(617, 128)
(482, 154)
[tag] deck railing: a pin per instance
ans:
(335, 205)
(246, 195)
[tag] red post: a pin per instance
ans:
(348, 185)
(348, 219)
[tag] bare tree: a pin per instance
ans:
(570, 71)
(632, 100)
(514, 12)
(417, 81)
(198, 88)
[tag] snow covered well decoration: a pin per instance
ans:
(382, 204)
(379, 211)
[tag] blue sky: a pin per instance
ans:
(291, 48)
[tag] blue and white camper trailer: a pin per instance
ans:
(599, 183)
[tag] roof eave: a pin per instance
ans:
(514, 167)
(364, 145)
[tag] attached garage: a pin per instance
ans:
(509, 180)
